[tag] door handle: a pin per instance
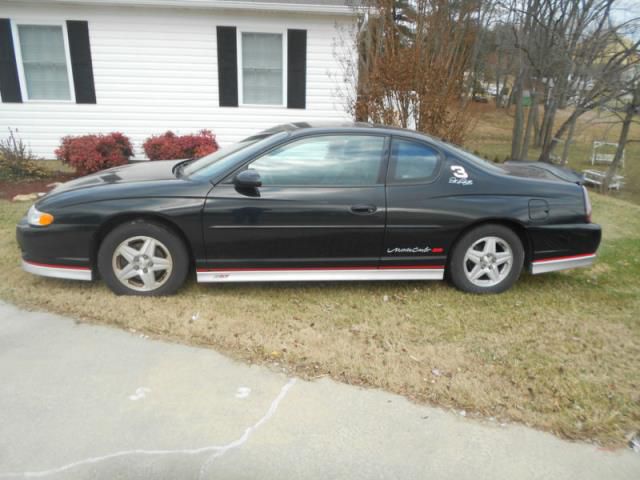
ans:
(363, 209)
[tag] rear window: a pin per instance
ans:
(412, 162)
(480, 162)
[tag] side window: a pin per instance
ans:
(331, 160)
(412, 162)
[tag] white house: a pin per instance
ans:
(141, 67)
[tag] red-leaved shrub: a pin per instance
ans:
(170, 146)
(90, 153)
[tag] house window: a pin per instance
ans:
(44, 62)
(262, 68)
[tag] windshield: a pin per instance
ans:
(214, 163)
(219, 162)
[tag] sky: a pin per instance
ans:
(626, 10)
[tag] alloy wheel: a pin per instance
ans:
(488, 261)
(142, 263)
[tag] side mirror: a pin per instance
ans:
(248, 179)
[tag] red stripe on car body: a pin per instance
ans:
(411, 267)
(297, 269)
(49, 265)
(567, 257)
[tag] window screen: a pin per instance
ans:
(44, 62)
(262, 68)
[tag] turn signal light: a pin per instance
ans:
(46, 219)
(38, 218)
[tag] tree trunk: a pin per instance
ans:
(622, 141)
(567, 143)
(531, 120)
(536, 123)
(547, 149)
(364, 47)
(545, 102)
(518, 121)
(547, 136)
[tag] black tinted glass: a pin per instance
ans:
(412, 162)
(330, 160)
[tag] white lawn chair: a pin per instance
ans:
(597, 156)
(596, 177)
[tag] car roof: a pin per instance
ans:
(343, 126)
(323, 127)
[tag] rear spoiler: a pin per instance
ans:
(563, 173)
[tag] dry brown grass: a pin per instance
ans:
(560, 352)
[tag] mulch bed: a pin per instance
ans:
(11, 188)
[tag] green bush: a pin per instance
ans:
(17, 161)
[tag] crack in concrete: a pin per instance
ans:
(215, 450)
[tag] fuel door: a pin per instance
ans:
(538, 210)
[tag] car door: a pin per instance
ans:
(321, 205)
(415, 230)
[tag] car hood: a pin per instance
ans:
(132, 173)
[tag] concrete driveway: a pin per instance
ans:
(81, 401)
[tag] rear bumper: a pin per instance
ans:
(562, 263)
(564, 246)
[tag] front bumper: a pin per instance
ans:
(58, 271)
(58, 251)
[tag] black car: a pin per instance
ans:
(310, 202)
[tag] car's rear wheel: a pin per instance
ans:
(488, 259)
(143, 258)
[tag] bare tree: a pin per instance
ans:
(567, 48)
(412, 64)
(631, 108)
(606, 85)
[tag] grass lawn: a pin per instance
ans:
(559, 352)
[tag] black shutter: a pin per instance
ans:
(227, 67)
(297, 68)
(80, 52)
(9, 83)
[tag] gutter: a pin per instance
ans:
(318, 8)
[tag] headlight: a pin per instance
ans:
(37, 218)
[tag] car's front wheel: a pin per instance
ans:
(487, 259)
(143, 258)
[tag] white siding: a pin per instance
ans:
(155, 69)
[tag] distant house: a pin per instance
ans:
(70, 67)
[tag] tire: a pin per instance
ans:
(476, 267)
(143, 258)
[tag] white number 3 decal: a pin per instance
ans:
(459, 172)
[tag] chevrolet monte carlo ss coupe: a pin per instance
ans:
(303, 202)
